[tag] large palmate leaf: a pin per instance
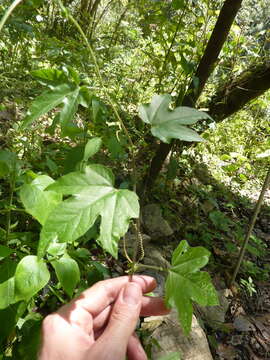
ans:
(93, 196)
(65, 91)
(185, 283)
(50, 77)
(47, 101)
(37, 202)
(169, 124)
(71, 103)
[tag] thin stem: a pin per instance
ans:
(114, 109)
(97, 69)
(8, 13)
(12, 185)
(57, 295)
(251, 226)
(4, 211)
(170, 47)
(100, 17)
(125, 250)
(152, 267)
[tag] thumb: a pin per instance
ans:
(112, 344)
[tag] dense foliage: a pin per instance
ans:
(93, 88)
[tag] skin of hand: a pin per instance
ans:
(100, 323)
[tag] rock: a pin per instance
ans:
(236, 340)
(226, 352)
(262, 235)
(154, 257)
(241, 323)
(214, 315)
(265, 224)
(130, 241)
(155, 225)
(170, 338)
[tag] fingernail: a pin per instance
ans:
(132, 294)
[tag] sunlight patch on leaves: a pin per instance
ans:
(37, 202)
(169, 124)
(31, 275)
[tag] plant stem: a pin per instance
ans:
(9, 205)
(4, 211)
(152, 267)
(97, 71)
(170, 48)
(8, 13)
(104, 87)
(57, 295)
(251, 226)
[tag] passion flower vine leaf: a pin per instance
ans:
(48, 101)
(92, 195)
(186, 283)
(169, 124)
(65, 94)
(37, 202)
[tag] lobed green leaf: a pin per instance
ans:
(185, 283)
(93, 196)
(46, 102)
(169, 124)
(37, 202)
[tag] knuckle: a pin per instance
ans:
(49, 322)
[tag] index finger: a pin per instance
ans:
(102, 294)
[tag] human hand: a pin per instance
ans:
(100, 323)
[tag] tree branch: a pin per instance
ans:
(234, 95)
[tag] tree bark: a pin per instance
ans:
(208, 61)
(94, 7)
(89, 7)
(234, 95)
(206, 66)
(85, 6)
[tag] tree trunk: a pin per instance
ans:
(94, 8)
(204, 70)
(212, 51)
(85, 6)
